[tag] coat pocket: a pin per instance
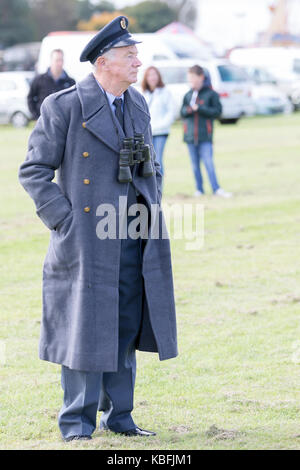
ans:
(64, 241)
(63, 227)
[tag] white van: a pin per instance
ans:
(282, 62)
(72, 43)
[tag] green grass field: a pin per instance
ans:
(236, 382)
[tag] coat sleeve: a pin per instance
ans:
(186, 109)
(167, 117)
(45, 153)
(214, 109)
(32, 98)
(157, 168)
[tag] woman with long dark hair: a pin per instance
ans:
(160, 103)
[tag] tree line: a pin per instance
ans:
(30, 20)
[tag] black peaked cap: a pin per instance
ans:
(114, 34)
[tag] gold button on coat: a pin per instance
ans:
(84, 124)
(86, 181)
(87, 209)
(85, 154)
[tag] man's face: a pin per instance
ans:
(123, 64)
(57, 62)
(195, 81)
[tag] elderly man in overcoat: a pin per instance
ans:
(104, 297)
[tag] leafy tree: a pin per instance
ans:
(186, 11)
(98, 20)
(54, 15)
(151, 15)
(16, 24)
(86, 9)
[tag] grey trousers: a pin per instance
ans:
(110, 392)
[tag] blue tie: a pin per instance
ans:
(119, 113)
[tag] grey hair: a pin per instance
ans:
(110, 53)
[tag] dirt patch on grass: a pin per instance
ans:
(181, 429)
(252, 312)
(219, 434)
(287, 299)
(181, 196)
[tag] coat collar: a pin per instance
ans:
(99, 119)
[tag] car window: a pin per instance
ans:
(296, 66)
(230, 73)
(174, 74)
(160, 57)
(260, 75)
(266, 76)
(6, 85)
(186, 47)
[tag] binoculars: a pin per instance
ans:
(134, 151)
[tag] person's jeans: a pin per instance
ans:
(203, 152)
(159, 142)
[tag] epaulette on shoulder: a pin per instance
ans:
(67, 90)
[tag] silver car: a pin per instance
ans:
(14, 88)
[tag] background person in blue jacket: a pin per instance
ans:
(201, 105)
(160, 104)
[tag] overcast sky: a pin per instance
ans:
(227, 23)
(232, 22)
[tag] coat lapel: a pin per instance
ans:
(99, 119)
(96, 113)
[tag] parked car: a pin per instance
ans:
(14, 89)
(295, 94)
(267, 96)
(282, 62)
(20, 57)
(234, 88)
(231, 82)
(72, 43)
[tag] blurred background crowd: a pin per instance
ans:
(249, 49)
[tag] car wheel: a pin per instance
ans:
(229, 121)
(19, 119)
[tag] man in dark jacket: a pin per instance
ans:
(55, 79)
(201, 105)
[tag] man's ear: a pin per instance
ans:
(100, 61)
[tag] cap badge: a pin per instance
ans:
(123, 23)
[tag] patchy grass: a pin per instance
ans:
(236, 382)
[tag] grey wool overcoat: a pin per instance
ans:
(76, 135)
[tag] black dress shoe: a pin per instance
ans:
(137, 432)
(77, 438)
